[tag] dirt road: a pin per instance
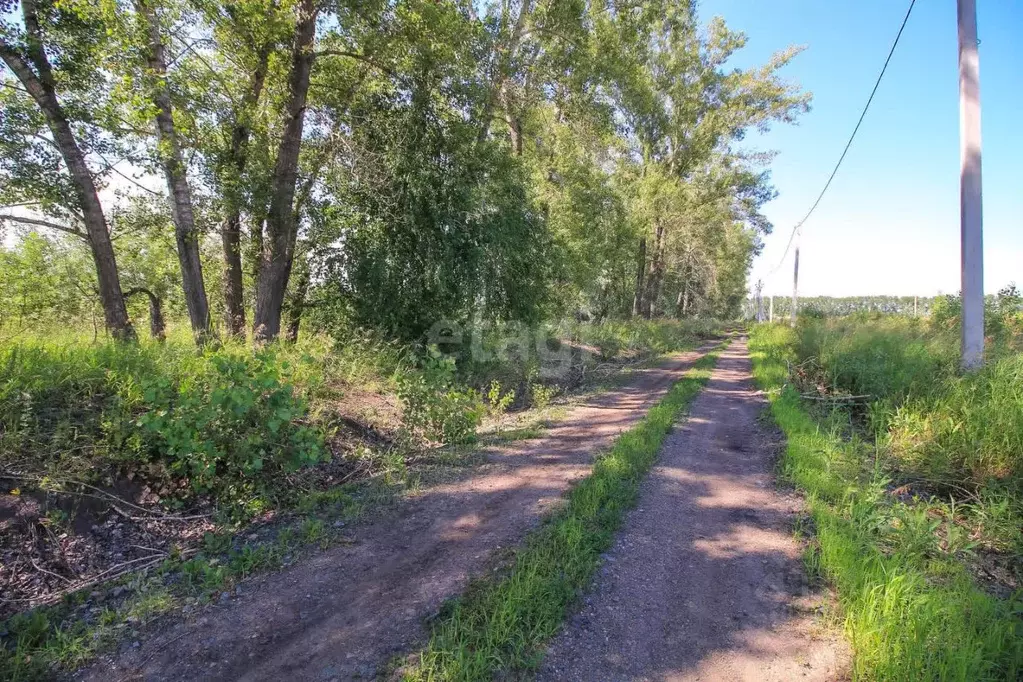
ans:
(705, 580)
(345, 612)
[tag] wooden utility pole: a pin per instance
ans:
(970, 213)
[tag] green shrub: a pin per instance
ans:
(218, 418)
(541, 395)
(434, 407)
(227, 421)
(498, 402)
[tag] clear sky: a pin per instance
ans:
(889, 224)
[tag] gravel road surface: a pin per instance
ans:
(705, 581)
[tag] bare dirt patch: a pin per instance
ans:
(705, 581)
(344, 613)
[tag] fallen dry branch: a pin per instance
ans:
(835, 398)
(131, 566)
(99, 494)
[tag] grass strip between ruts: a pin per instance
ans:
(907, 618)
(502, 624)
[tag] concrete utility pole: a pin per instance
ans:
(970, 213)
(760, 300)
(770, 309)
(795, 281)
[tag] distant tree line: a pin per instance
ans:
(1007, 301)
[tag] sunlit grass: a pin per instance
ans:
(911, 610)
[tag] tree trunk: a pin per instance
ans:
(506, 53)
(41, 86)
(653, 287)
(515, 132)
(169, 151)
(514, 122)
(297, 306)
(234, 293)
(157, 325)
(637, 299)
(281, 223)
(234, 301)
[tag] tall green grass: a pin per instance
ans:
(940, 428)
(217, 418)
(910, 608)
(645, 337)
(967, 430)
(889, 358)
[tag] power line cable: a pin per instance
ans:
(847, 144)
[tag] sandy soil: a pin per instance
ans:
(346, 612)
(705, 580)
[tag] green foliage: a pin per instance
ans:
(223, 419)
(540, 395)
(225, 422)
(967, 431)
(462, 164)
(500, 627)
(37, 283)
(497, 402)
(888, 358)
(434, 407)
(646, 337)
(911, 608)
(950, 429)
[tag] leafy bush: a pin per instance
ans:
(434, 407)
(216, 418)
(541, 395)
(498, 402)
(228, 421)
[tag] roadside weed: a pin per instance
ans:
(911, 609)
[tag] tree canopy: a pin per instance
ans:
(382, 164)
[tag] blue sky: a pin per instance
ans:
(889, 224)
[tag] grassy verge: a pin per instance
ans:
(67, 635)
(39, 643)
(502, 624)
(911, 612)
